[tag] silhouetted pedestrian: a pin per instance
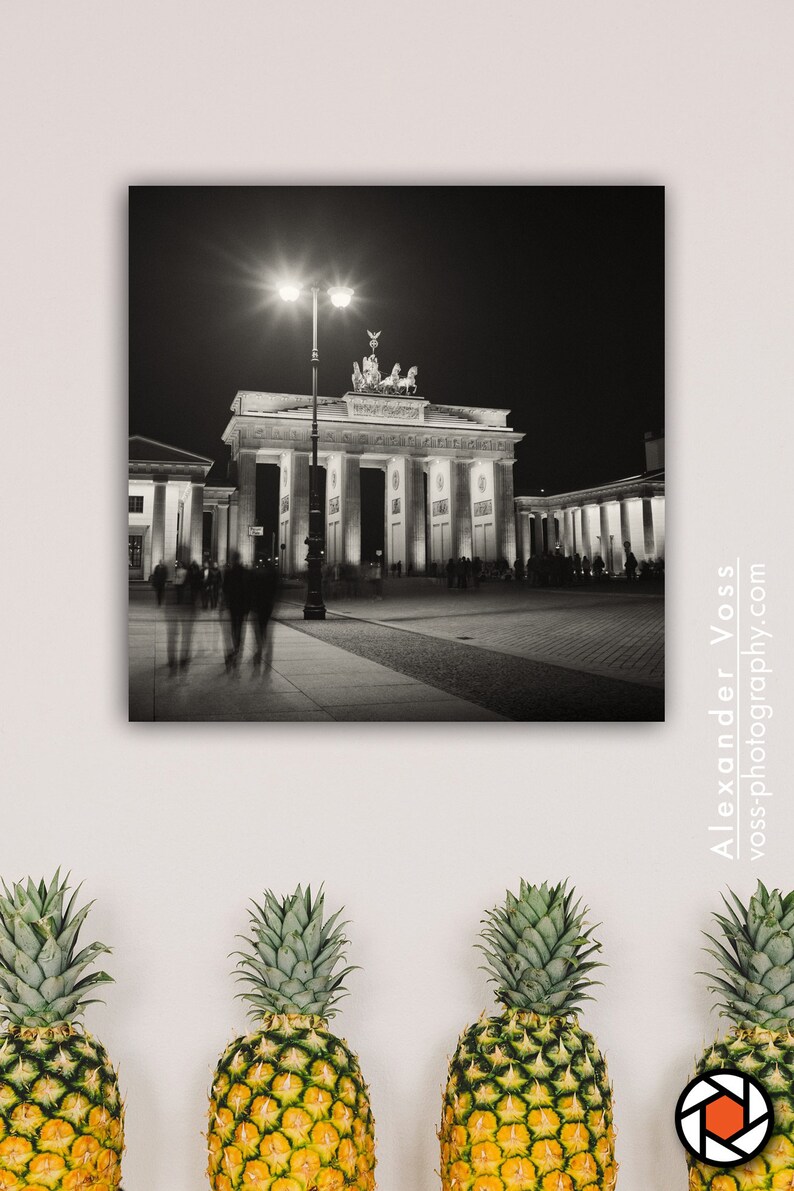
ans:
(180, 578)
(235, 596)
(194, 580)
(214, 583)
(159, 580)
(263, 597)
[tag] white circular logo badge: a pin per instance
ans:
(724, 1118)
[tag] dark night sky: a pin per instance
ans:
(548, 301)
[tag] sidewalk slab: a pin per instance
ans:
(307, 680)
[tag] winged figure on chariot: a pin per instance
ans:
(367, 378)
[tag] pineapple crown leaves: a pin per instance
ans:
(539, 950)
(755, 980)
(42, 980)
(292, 956)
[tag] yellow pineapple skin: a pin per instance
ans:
(61, 1116)
(289, 1111)
(527, 1107)
(768, 1056)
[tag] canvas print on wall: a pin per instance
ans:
(396, 453)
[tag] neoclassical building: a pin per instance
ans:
(448, 486)
(598, 520)
(167, 500)
(448, 475)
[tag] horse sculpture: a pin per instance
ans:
(391, 384)
(367, 378)
(407, 384)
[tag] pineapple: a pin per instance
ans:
(528, 1104)
(61, 1118)
(289, 1109)
(756, 987)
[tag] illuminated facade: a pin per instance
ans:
(448, 489)
(168, 498)
(599, 520)
(448, 475)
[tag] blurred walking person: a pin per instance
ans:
(214, 584)
(263, 597)
(159, 580)
(236, 596)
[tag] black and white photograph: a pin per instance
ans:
(396, 453)
(394, 310)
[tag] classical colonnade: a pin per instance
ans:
(595, 522)
(448, 477)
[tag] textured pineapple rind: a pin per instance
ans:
(61, 1116)
(767, 1055)
(527, 1107)
(289, 1110)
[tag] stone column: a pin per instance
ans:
(429, 523)
(351, 510)
(551, 532)
(213, 511)
(196, 522)
(414, 516)
(246, 508)
(524, 537)
(158, 522)
(504, 510)
(604, 516)
(234, 520)
(387, 546)
(460, 507)
(299, 512)
(658, 525)
(576, 517)
(647, 527)
(625, 528)
(567, 532)
(587, 545)
(220, 527)
(537, 525)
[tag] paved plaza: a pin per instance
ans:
(609, 631)
(422, 652)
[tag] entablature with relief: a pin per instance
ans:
(167, 471)
(630, 489)
(370, 439)
(363, 406)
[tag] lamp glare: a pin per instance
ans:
(340, 295)
(290, 293)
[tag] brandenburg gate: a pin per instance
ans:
(448, 471)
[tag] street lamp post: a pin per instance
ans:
(314, 607)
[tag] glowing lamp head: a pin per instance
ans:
(340, 295)
(290, 293)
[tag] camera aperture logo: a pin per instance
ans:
(724, 1118)
(741, 711)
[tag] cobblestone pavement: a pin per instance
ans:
(515, 688)
(403, 658)
(613, 633)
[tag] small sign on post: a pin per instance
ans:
(256, 531)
